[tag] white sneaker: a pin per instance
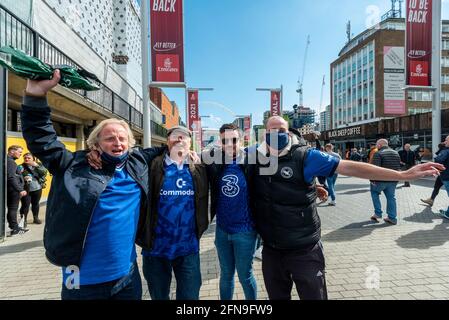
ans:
(332, 203)
(258, 253)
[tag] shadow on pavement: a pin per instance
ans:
(354, 192)
(355, 186)
(425, 216)
(425, 239)
(354, 231)
(20, 247)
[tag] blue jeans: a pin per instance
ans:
(446, 185)
(331, 185)
(126, 288)
(236, 251)
(158, 273)
(389, 189)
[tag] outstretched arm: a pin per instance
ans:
(371, 172)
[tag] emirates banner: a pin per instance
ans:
(167, 42)
(419, 42)
(276, 103)
(247, 128)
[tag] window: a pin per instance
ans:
(445, 78)
(445, 44)
(446, 28)
(445, 62)
(445, 96)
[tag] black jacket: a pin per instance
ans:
(76, 187)
(285, 212)
(387, 158)
(15, 182)
(443, 158)
(408, 157)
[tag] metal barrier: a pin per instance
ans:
(15, 32)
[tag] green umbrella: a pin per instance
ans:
(25, 66)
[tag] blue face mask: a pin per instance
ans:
(283, 140)
(108, 159)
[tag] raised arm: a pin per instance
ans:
(37, 128)
(371, 172)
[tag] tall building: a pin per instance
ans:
(361, 84)
(325, 119)
(300, 116)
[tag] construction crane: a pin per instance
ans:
(301, 77)
(322, 94)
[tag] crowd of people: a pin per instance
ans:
(108, 198)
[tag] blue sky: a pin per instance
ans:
(236, 46)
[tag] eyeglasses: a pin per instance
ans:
(227, 141)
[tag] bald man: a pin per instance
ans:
(285, 211)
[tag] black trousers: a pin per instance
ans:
(12, 202)
(436, 188)
(31, 199)
(304, 268)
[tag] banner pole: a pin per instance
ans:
(436, 74)
(144, 19)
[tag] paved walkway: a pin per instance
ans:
(364, 260)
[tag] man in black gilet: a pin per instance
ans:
(284, 207)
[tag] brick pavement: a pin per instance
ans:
(410, 259)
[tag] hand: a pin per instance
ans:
(423, 170)
(322, 193)
(194, 157)
(40, 88)
(23, 194)
(94, 159)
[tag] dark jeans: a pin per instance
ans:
(305, 268)
(12, 201)
(126, 288)
(158, 273)
(436, 188)
(31, 199)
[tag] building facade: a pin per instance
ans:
(325, 119)
(362, 88)
(169, 109)
(102, 37)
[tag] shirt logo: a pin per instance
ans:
(231, 189)
(180, 183)
(287, 172)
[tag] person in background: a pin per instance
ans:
(15, 189)
(443, 158)
(331, 181)
(373, 150)
(408, 160)
(389, 159)
(355, 155)
(34, 175)
(438, 181)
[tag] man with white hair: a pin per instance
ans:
(94, 216)
(389, 159)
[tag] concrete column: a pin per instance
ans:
(81, 139)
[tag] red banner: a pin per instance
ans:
(276, 103)
(247, 128)
(167, 41)
(419, 42)
(192, 110)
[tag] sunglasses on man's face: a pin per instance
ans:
(227, 141)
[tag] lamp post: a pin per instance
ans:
(281, 90)
(144, 18)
